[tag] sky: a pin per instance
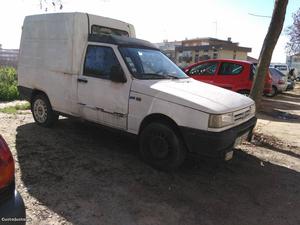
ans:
(159, 20)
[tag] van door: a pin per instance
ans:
(102, 99)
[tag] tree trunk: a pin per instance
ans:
(265, 56)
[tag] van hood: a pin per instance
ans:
(193, 94)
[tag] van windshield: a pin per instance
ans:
(281, 67)
(150, 64)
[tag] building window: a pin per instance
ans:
(215, 55)
(204, 57)
(196, 58)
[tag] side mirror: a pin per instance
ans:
(117, 74)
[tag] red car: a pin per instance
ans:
(235, 75)
(12, 209)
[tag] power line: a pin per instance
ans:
(251, 14)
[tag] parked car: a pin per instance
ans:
(127, 84)
(12, 209)
(279, 82)
(282, 67)
(234, 75)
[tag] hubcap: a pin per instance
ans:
(40, 110)
(159, 147)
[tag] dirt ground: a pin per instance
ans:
(77, 173)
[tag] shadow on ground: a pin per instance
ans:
(281, 108)
(93, 176)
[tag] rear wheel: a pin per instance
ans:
(42, 111)
(273, 92)
(161, 147)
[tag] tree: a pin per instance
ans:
(266, 52)
(293, 31)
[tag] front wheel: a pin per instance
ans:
(161, 147)
(42, 111)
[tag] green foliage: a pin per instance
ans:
(14, 109)
(8, 84)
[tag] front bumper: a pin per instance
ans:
(12, 210)
(215, 144)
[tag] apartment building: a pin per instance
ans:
(9, 57)
(199, 49)
(168, 48)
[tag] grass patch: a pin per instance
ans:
(14, 109)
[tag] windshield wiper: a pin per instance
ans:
(151, 75)
(171, 76)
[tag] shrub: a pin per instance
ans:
(8, 84)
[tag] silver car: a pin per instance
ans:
(279, 82)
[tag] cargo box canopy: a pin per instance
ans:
(121, 41)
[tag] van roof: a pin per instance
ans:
(121, 41)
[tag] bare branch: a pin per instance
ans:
(293, 31)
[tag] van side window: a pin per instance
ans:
(204, 69)
(227, 68)
(99, 62)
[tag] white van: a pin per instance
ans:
(282, 67)
(128, 84)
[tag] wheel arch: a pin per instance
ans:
(36, 92)
(157, 117)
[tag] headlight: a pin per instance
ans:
(218, 121)
(252, 110)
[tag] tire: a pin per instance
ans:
(245, 92)
(273, 92)
(161, 147)
(42, 111)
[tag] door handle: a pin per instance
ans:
(82, 80)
